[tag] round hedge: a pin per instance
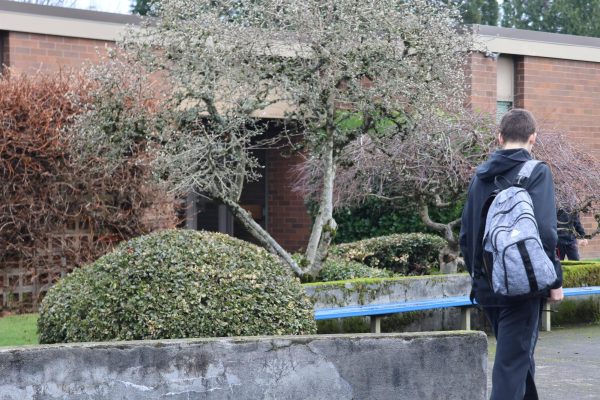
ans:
(176, 284)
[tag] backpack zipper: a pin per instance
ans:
(506, 228)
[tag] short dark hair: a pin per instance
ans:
(517, 125)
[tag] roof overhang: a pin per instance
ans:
(537, 44)
(61, 21)
(69, 22)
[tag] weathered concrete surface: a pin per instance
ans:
(388, 291)
(567, 363)
(405, 289)
(428, 366)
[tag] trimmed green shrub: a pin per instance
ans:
(577, 311)
(336, 269)
(408, 254)
(391, 323)
(582, 311)
(177, 284)
(581, 273)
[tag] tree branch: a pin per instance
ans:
(445, 229)
(260, 234)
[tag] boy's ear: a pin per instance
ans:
(500, 139)
(533, 138)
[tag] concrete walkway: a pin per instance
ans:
(567, 363)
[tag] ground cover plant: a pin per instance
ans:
(177, 284)
(17, 330)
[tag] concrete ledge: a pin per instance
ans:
(383, 291)
(380, 291)
(426, 366)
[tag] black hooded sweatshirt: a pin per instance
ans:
(505, 164)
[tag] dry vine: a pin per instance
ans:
(56, 215)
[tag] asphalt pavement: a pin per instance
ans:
(567, 363)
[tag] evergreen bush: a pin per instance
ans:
(581, 273)
(176, 284)
(407, 254)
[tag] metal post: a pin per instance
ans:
(465, 318)
(546, 317)
(375, 324)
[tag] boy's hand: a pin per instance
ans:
(556, 295)
(582, 242)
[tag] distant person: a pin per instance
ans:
(515, 321)
(569, 230)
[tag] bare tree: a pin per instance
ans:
(576, 174)
(432, 167)
(429, 167)
(339, 70)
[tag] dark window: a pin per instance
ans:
(208, 216)
(502, 107)
(3, 45)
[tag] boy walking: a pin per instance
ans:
(568, 224)
(515, 322)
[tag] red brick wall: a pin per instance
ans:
(288, 220)
(481, 83)
(29, 52)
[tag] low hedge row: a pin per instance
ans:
(407, 254)
(577, 274)
(579, 311)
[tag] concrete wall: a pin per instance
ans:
(429, 366)
(405, 289)
(388, 291)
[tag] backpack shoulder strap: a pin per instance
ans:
(525, 172)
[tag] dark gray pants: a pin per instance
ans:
(516, 329)
(568, 249)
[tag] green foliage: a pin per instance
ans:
(144, 7)
(577, 312)
(393, 323)
(337, 269)
(483, 12)
(408, 254)
(581, 273)
(576, 17)
(377, 217)
(343, 325)
(176, 284)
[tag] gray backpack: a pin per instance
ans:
(519, 264)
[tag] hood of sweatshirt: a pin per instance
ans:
(500, 162)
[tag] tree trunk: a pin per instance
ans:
(260, 234)
(449, 260)
(324, 226)
(448, 257)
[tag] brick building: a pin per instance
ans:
(555, 76)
